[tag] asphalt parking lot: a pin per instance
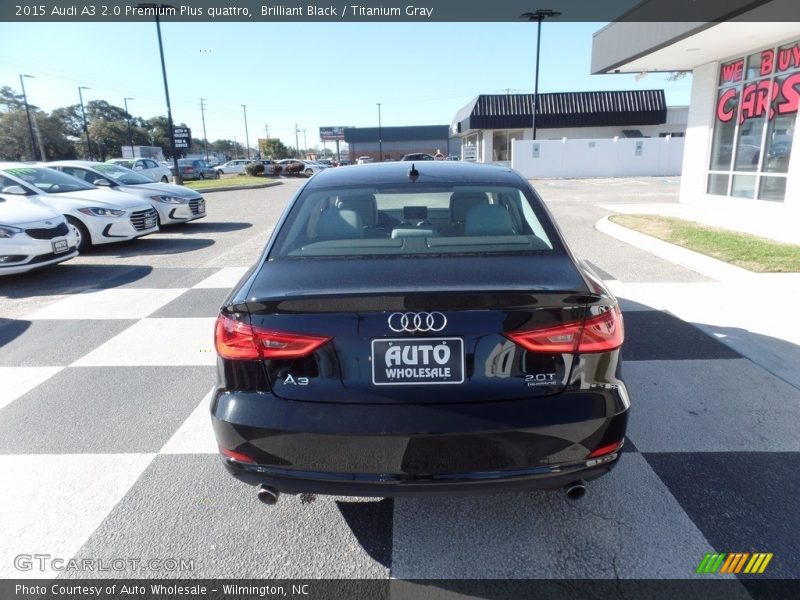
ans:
(106, 449)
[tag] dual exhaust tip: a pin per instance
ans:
(269, 495)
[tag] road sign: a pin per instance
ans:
(183, 137)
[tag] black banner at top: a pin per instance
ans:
(416, 11)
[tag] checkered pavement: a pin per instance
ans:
(106, 451)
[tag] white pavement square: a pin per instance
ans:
(126, 303)
(157, 342)
(195, 435)
(522, 536)
(729, 405)
(226, 277)
(51, 504)
(16, 381)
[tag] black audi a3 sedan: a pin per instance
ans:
(414, 329)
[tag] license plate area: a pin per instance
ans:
(60, 246)
(417, 361)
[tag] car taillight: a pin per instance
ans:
(239, 341)
(600, 333)
(239, 456)
(188, 169)
(604, 450)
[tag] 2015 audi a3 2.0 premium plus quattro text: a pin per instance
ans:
(414, 329)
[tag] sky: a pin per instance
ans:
(304, 75)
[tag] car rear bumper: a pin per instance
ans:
(400, 449)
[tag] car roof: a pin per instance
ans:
(429, 171)
(70, 163)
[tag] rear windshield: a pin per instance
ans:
(454, 219)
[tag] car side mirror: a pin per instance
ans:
(15, 190)
(104, 182)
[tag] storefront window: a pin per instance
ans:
(501, 144)
(756, 110)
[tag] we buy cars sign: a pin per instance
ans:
(183, 137)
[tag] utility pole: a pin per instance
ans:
(85, 126)
(203, 117)
(296, 142)
(380, 136)
(246, 134)
(28, 112)
(128, 118)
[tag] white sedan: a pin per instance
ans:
(146, 166)
(174, 203)
(32, 236)
(233, 166)
(99, 216)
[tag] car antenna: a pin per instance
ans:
(413, 174)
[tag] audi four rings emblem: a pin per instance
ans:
(421, 322)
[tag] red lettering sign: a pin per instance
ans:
(757, 100)
(789, 58)
(790, 93)
(732, 72)
(767, 62)
(726, 105)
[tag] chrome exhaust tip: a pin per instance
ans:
(268, 495)
(575, 490)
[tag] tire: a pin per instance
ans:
(84, 239)
(309, 172)
(164, 179)
(216, 175)
(202, 176)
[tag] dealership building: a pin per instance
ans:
(745, 96)
(394, 142)
(490, 124)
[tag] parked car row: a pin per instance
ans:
(51, 211)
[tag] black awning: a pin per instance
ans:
(568, 109)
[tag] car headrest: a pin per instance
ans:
(335, 224)
(461, 202)
(364, 204)
(488, 219)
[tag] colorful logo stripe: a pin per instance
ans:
(735, 562)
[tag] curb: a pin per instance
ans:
(233, 188)
(700, 263)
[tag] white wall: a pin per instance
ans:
(598, 157)
(699, 131)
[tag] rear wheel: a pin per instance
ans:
(309, 172)
(84, 240)
(164, 179)
(202, 176)
(216, 175)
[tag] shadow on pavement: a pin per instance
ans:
(204, 227)
(11, 329)
(371, 523)
(70, 278)
(151, 245)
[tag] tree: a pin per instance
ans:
(10, 100)
(108, 137)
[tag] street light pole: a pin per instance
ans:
(246, 134)
(380, 135)
(128, 115)
(28, 112)
(539, 15)
(203, 117)
(296, 142)
(85, 126)
(158, 8)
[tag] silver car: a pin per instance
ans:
(174, 203)
(146, 166)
